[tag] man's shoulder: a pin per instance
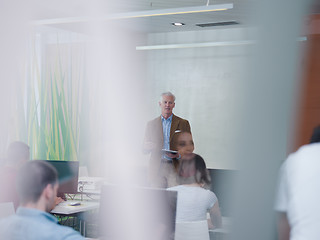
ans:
(303, 160)
(175, 117)
(41, 227)
(312, 147)
(51, 227)
(183, 123)
(179, 118)
(308, 151)
(58, 231)
(154, 121)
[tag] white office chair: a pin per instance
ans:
(6, 209)
(192, 230)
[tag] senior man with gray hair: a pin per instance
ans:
(158, 135)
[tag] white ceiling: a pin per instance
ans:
(63, 10)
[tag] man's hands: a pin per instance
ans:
(58, 200)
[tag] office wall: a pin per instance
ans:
(206, 82)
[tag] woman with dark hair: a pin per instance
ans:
(193, 200)
(183, 144)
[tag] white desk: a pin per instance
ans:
(65, 209)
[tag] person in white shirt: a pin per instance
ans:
(193, 200)
(297, 201)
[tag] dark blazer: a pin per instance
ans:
(154, 133)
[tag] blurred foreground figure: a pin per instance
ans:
(135, 213)
(193, 200)
(18, 153)
(298, 193)
(37, 186)
(158, 136)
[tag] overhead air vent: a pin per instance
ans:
(215, 24)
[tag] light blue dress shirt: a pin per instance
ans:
(33, 224)
(166, 126)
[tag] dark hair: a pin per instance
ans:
(315, 135)
(18, 150)
(33, 177)
(201, 170)
(197, 167)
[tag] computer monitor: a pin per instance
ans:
(67, 175)
(137, 213)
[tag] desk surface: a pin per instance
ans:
(66, 209)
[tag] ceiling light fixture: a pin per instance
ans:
(139, 14)
(173, 11)
(205, 44)
(177, 24)
(196, 45)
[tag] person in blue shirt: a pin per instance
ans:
(37, 186)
